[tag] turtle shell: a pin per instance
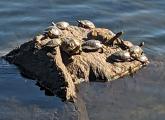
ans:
(126, 44)
(53, 42)
(143, 58)
(70, 46)
(101, 34)
(120, 56)
(45, 41)
(53, 32)
(86, 24)
(39, 38)
(136, 51)
(92, 44)
(62, 25)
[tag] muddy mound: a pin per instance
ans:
(65, 55)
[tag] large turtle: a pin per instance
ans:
(106, 36)
(71, 46)
(86, 24)
(92, 45)
(120, 56)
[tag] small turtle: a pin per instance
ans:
(53, 42)
(136, 51)
(121, 56)
(61, 25)
(143, 59)
(126, 44)
(71, 46)
(45, 41)
(39, 38)
(53, 32)
(86, 24)
(92, 45)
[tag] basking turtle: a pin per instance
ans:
(120, 56)
(136, 51)
(126, 44)
(115, 37)
(39, 38)
(86, 24)
(143, 59)
(101, 34)
(61, 25)
(53, 32)
(92, 45)
(45, 41)
(71, 46)
(53, 42)
(106, 36)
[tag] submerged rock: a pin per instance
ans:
(56, 67)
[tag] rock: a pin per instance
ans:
(59, 72)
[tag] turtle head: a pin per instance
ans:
(141, 44)
(119, 34)
(53, 24)
(78, 21)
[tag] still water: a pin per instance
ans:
(138, 98)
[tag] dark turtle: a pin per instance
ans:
(86, 24)
(92, 45)
(120, 56)
(71, 46)
(61, 25)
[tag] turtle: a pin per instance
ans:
(61, 25)
(39, 38)
(120, 56)
(53, 32)
(136, 51)
(71, 46)
(45, 41)
(115, 37)
(101, 34)
(143, 59)
(126, 44)
(92, 45)
(86, 24)
(53, 42)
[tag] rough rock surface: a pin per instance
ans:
(59, 72)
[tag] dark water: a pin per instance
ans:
(138, 98)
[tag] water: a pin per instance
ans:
(138, 98)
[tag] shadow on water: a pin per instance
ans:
(139, 98)
(21, 99)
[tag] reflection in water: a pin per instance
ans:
(138, 98)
